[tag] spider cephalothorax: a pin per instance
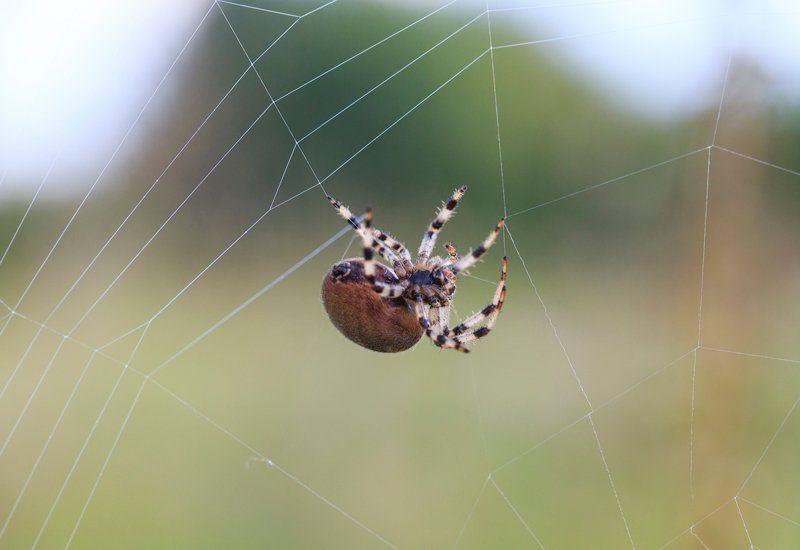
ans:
(389, 309)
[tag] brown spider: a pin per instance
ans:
(389, 309)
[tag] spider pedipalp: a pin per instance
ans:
(388, 309)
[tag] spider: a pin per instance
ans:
(389, 309)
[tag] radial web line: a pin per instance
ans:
(285, 170)
(475, 277)
(259, 9)
(175, 157)
(166, 222)
(28, 349)
(58, 305)
(349, 246)
(134, 404)
(691, 426)
(73, 392)
(81, 343)
(767, 510)
(272, 100)
(31, 397)
(333, 505)
(696, 523)
(105, 292)
(699, 317)
(44, 448)
(260, 456)
(391, 76)
(101, 413)
(497, 119)
(721, 101)
(702, 277)
(147, 378)
(611, 480)
(550, 321)
(325, 5)
(607, 182)
(15, 370)
(124, 424)
(769, 444)
(597, 409)
(765, 163)
(219, 256)
(365, 50)
(403, 116)
(754, 355)
(27, 210)
(471, 511)
(744, 523)
(108, 163)
(516, 513)
(113, 448)
(696, 536)
(580, 386)
(144, 197)
(105, 463)
(384, 131)
(253, 298)
(235, 241)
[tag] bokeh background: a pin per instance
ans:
(170, 379)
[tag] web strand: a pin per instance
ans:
(516, 513)
(580, 387)
(145, 327)
(497, 118)
(108, 163)
(27, 210)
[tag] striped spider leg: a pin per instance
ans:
(472, 258)
(394, 252)
(371, 245)
(437, 333)
(452, 253)
(444, 213)
(490, 313)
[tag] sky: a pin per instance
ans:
(76, 74)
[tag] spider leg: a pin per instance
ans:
(384, 252)
(397, 247)
(371, 245)
(442, 215)
(436, 334)
(472, 258)
(452, 253)
(490, 312)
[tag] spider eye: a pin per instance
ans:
(438, 276)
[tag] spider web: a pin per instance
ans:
(623, 371)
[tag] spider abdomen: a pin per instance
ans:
(363, 316)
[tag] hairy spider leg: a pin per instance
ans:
(436, 334)
(397, 247)
(371, 245)
(490, 313)
(384, 252)
(444, 213)
(452, 253)
(472, 258)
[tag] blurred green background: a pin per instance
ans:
(614, 405)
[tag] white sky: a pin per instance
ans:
(76, 73)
